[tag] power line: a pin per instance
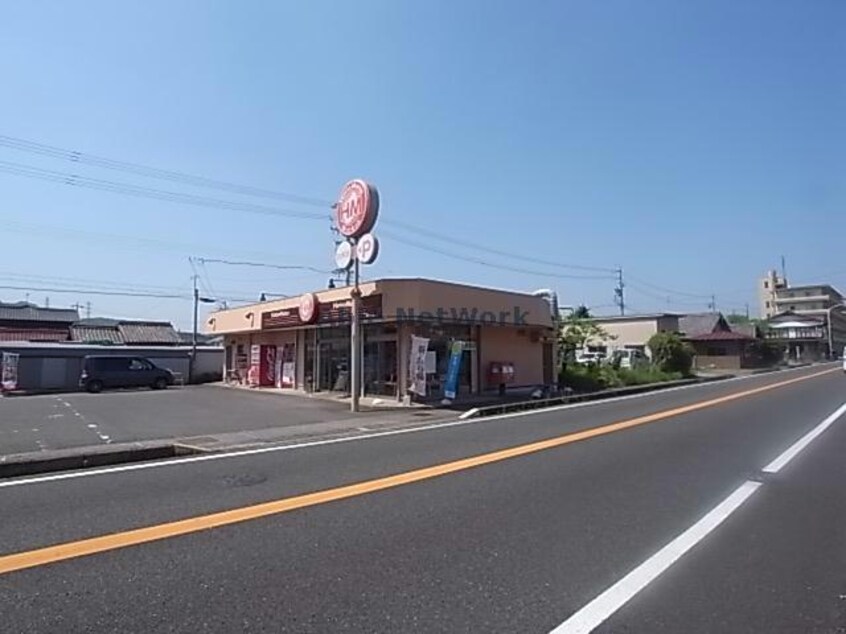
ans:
(284, 267)
(472, 245)
(74, 156)
(670, 291)
(75, 180)
(474, 260)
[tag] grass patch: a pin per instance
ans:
(593, 377)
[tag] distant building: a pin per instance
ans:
(22, 321)
(810, 321)
(768, 286)
(631, 332)
(105, 331)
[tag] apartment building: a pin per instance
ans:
(768, 286)
(809, 320)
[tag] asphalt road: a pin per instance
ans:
(62, 421)
(516, 524)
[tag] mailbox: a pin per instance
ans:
(500, 374)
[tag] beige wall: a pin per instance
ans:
(506, 344)
(248, 318)
(430, 295)
(636, 332)
(398, 296)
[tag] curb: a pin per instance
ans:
(37, 462)
(491, 410)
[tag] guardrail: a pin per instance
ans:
(505, 408)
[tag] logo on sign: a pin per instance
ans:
(308, 307)
(344, 255)
(357, 208)
(367, 248)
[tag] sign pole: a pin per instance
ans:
(355, 348)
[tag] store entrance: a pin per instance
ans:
(333, 365)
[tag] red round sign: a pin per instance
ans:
(357, 208)
(308, 308)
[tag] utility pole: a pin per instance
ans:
(619, 292)
(783, 271)
(712, 306)
(194, 330)
(747, 310)
(88, 310)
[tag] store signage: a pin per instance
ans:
(417, 365)
(356, 209)
(370, 307)
(367, 248)
(343, 255)
(451, 383)
(280, 318)
(9, 371)
(308, 308)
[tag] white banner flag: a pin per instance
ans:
(417, 365)
(9, 372)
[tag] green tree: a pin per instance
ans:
(670, 353)
(576, 332)
(582, 312)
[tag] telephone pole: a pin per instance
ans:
(619, 292)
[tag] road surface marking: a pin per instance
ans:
(239, 453)
(69, 550)
(791, 452)
(615, 597)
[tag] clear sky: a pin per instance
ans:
(691, 143)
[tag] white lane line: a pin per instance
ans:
(615, 597)
(140, 466)
(791, 452)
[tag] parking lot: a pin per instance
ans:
(62, 421)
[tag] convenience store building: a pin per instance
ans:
(303, 343)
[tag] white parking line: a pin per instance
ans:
(791, 452)
(171, 462)
(615, 597)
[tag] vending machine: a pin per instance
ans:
(267, 366)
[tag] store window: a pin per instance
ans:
(441, 337)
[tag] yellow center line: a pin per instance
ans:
(123, 539)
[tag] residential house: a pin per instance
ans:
(23, 321)
(803, 337)
(716, 344)
(632, 332)
(804, 306)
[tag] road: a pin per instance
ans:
(64, 421)
(670, 512)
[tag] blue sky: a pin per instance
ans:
(690, 143)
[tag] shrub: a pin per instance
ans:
(670, 353)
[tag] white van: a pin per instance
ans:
(630, 358)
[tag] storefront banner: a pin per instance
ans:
(417, 365)
(9, 373)
(451, 383)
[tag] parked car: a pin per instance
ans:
(587, 356)
(99, 372)
(630, 358)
